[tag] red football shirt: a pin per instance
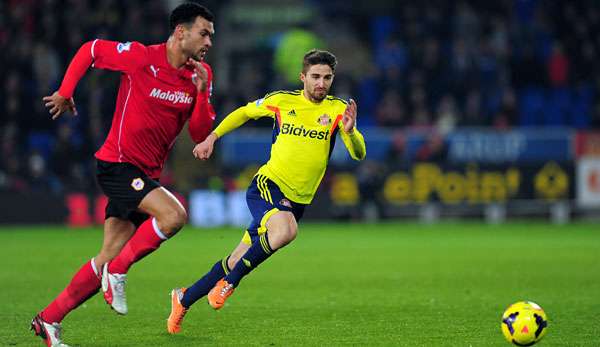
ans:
(153, 104)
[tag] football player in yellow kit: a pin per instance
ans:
(306, 123)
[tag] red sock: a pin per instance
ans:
(83, 286)
(145, 241)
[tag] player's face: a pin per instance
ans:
(317, 82)
(197, 39)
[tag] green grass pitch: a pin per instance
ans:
(391, 284)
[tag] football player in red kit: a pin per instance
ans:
(162, 86)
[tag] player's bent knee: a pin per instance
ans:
(171, 222)
(291, 229)
(287, 233)
(292, 232)
(282, 229)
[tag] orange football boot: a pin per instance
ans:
(220, 292)
(177, 311)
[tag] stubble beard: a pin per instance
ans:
(318, 97)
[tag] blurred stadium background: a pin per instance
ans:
(472, 109)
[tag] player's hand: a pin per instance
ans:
(204, 149)
(200, 76)
(349, 117)
(59, 104)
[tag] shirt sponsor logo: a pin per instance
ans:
(123, 46)
(174, 97)
(291, 129)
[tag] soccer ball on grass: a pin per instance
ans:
(524, 323)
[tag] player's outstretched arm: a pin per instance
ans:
(62, 100)
(232, 121)
(124, 57)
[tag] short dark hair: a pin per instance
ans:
(187, 12)
(316, 57)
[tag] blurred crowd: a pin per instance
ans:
(497, 63)
(419, 65)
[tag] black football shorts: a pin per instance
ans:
(125, 185)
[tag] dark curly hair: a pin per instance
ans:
(186, 13)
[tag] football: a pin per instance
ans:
(524, 323)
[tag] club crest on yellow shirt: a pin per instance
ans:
(137, 184)
(324, 119)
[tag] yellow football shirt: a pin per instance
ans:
(303, 137)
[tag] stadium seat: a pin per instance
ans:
(581, 110)
(531, 102)
(556, 107)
